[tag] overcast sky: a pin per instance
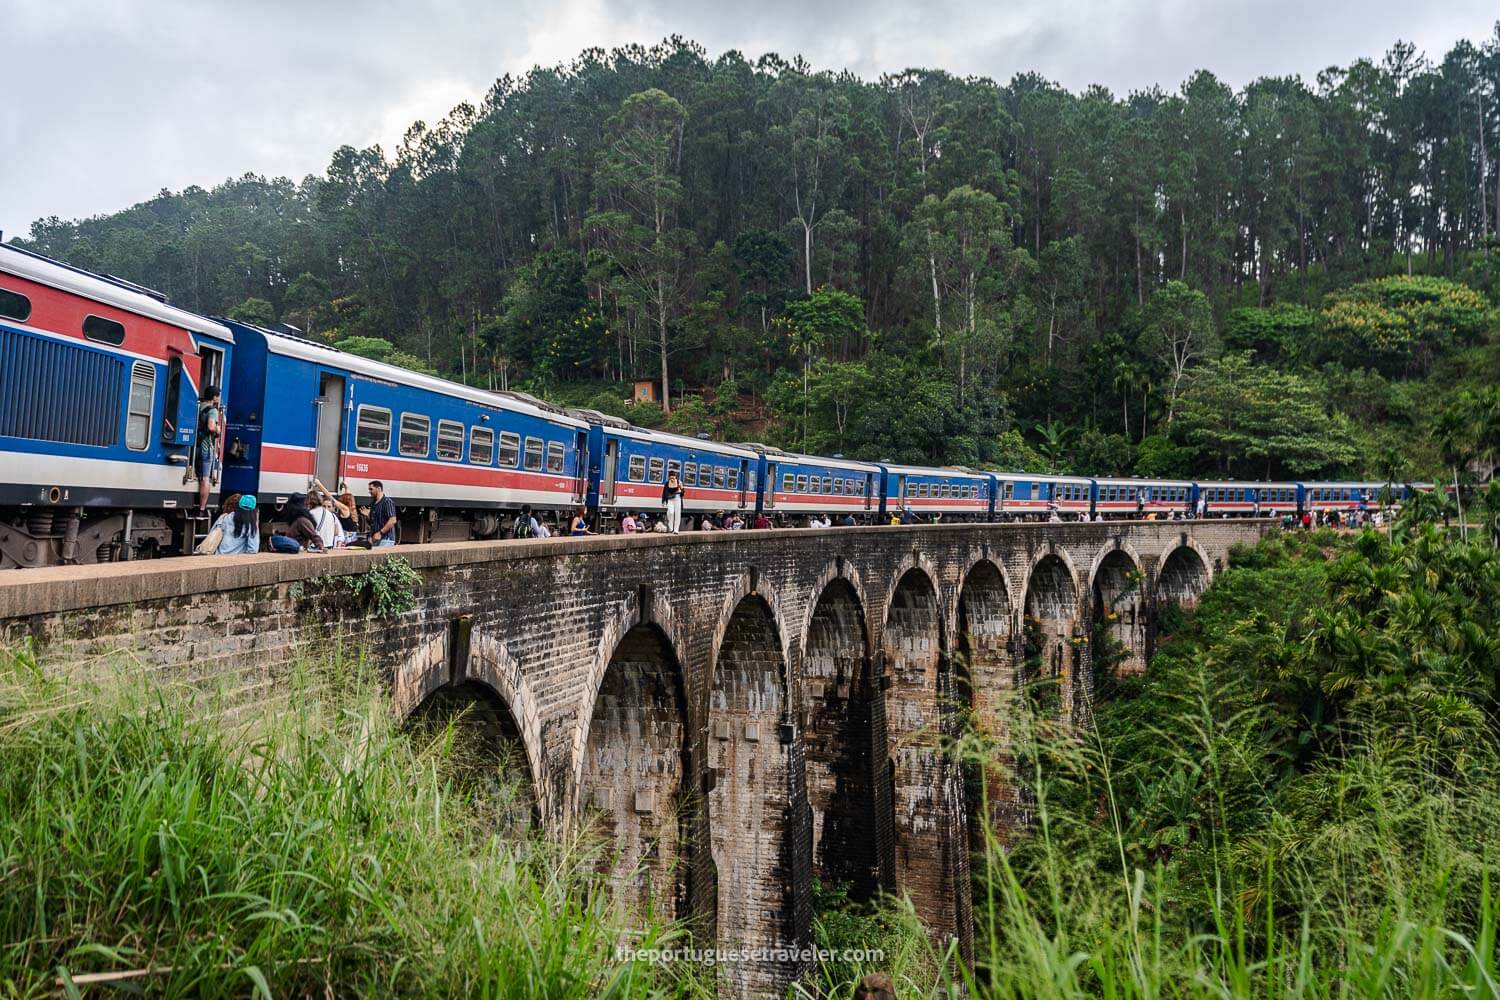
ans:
(112, 100)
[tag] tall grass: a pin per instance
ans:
(148, 843)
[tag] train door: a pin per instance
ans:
(330, 404)
(581, 481)
(770, 485)
(607, 474)
(745, 481)
(868, 491)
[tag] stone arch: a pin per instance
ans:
(752, 583)
(751, 802)
(1051, 607)
(1117, 589)
(839, 738)
(983, 675)
(633, 770)
(929, 856)
(468, 667)
(1183, 574)
(643, 607)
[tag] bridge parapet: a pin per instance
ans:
(765, 681)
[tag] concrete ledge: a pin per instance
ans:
(53, 589)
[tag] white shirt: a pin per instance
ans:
(541, 530)
(329, 529)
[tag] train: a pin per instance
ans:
(101, 382)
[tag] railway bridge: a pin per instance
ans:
(742, 712)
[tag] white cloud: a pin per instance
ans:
(121, 99)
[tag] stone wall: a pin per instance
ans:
(740, 712)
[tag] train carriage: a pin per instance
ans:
(1345, 496)
(953, 493)
(632, 464)
(1024, 495)
(453, 458)
(807, 484)
(1127, 498)
(99, 389)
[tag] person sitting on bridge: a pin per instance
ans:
(628, 524)
(907, 517)
(302, 534)
(762, 522)
(848, 520)
(239, 529)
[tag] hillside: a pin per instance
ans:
(1293, 279)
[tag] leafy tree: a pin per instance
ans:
(1179, 332)
(638, 223)
(1399, 324)
(256, 312)
(1258, 422)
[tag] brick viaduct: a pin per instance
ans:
(742, 712)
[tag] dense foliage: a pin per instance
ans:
(1016, 256)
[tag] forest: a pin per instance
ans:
(1293, 279)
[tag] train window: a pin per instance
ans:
(787, 482)
(690, 474)
(705, 474)
(372, 429)
(1010, 491)
(138, 410)
(815, 485)
(510, 449)
(838, 485)
(827, 484)
(105, 331)
(732, 479)
(637, 473)
(718, 477)
(450, 441)
(533, 457)
(481, 446)
(555, 459)
(801, 484)
(674, 467)
(416, 430)
(656, 469)
(14, 305)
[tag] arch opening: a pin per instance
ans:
(633, 783)
(482, 752)
(839, 743)
(1183, 577)
(1119, 613)
(749, 801)
(931, 851)
(1051, 628)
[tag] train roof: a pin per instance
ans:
(926, 470)
(683, 441)
(111, 291)
(832, 463)
(289, 346)
(1252, 483)
(1140, 481)
(1043, 477)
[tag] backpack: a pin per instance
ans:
(525, 528)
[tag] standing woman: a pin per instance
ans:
(671, 495)
(579, 525)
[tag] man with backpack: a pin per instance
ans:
(525, 526)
